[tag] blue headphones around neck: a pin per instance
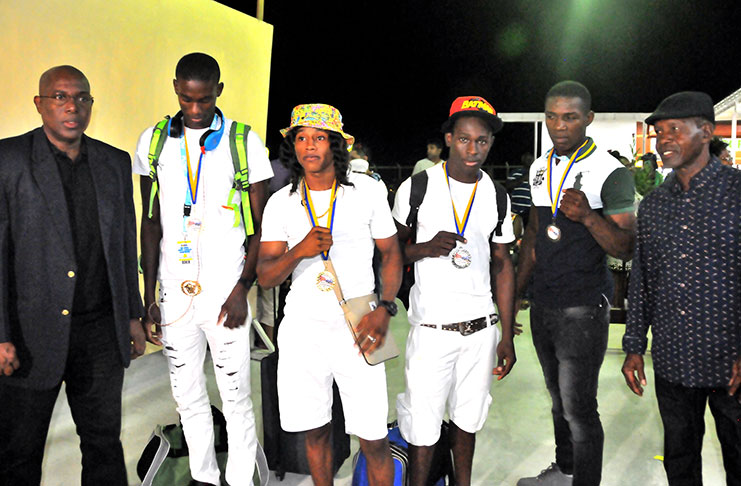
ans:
(209, 140)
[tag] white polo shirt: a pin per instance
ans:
(588, 175)
(442, 293)
(362, 215)
(572, 271)
(217, 249)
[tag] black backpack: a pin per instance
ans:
(416, 196)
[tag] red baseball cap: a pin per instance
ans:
(472, 106)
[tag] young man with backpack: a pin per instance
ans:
(461, 249)
(203, 192)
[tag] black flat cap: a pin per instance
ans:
(685, 104)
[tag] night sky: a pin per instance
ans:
(393, 68)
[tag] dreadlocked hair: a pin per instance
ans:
(340, 158)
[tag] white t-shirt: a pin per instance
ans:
(442, 293)
(361, 216)
(424, 164)
(216, 251)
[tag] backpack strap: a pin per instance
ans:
(416, 196)
(155, 149)
(238, 147)
(501, 207)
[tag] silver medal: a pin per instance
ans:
(553, 232)
(460, 258)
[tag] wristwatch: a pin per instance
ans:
(390, 307)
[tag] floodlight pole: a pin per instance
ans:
(734, 122)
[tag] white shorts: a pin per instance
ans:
(312, 353)
(446, 367)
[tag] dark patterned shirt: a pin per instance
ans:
(520, 196)
(686, 278)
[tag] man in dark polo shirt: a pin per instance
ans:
(69, 291)
(686, 286)
(582, 209)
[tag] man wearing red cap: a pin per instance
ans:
(321, 229)
(582, 208)
(454, 345)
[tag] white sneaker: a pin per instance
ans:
(551, 476)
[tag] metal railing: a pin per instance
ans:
(395, 174)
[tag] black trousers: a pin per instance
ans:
(682, 411)
(571, 344)
(94, 379)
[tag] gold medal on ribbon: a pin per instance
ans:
(191, 288)
(325, 281)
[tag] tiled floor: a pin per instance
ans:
(516, 441)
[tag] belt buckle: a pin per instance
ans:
(466, 328)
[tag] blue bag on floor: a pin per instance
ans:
(440, 468)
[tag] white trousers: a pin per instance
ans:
(184, 344)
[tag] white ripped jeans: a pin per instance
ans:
(184, 344)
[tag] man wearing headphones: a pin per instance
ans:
(193, 242)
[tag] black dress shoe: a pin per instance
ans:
(193, 482)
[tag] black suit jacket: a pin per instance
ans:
(37, 259)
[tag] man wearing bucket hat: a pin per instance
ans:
(322, 229)
(582, 208)
(686, 286)
(462, 243)
(194, 243)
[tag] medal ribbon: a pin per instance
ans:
(193, 181)
(460, 226)
(584, 151)
(311, 212)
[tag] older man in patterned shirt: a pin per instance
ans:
(686, 286)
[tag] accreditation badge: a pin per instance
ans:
(185, 251)
(325, 281)
(460, 258)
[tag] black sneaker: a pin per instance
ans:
(551, 476)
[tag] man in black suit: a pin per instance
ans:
(70, 307)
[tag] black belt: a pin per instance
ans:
(466, 327)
